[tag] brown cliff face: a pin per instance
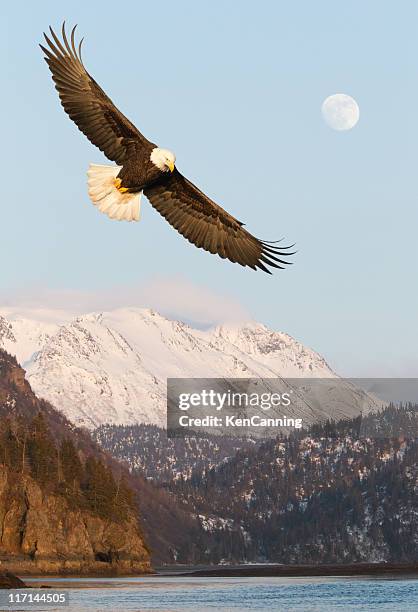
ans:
(40, 533)
(44, 528)
(12, 379)
(168, 527)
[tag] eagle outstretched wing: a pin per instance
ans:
(87, 104)
(208, 226)
(195, 216)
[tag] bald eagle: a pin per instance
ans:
(144, 168)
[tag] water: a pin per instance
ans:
(180, 594)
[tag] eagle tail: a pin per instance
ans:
(104, 194)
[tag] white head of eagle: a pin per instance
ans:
(163, 159)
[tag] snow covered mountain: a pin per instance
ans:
(23, 337)
(111, 367)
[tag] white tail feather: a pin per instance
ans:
(107, 197)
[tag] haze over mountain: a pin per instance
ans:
(111, 367)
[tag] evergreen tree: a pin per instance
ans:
(124, 500)
(72, 469)
(99, 488)
(42, 452)
(10, 448)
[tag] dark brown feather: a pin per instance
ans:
(208, 226)
(88, 105)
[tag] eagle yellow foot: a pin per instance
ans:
(118, 184)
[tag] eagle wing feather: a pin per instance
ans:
(195, 216)
(87, 104)
(208, 226)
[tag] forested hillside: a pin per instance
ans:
(342, 492)
(147, 449)
(64, 507)
(28, 449)
(62, 510)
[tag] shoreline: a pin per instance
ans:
(283, 571)
(237, 571)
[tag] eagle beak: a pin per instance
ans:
(170, 164)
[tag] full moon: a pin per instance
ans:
(340, 112)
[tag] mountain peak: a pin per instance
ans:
(112, 366)
(255, 338)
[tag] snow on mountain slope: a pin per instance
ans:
(22, 337)
(112, 367)
(277, 351)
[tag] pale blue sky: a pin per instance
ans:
(235, 89)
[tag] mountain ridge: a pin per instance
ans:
(112, 367)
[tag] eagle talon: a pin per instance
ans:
(118, 184)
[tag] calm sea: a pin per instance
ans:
(179, 594)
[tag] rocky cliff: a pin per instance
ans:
(41, 533)
(10, 581)
(59, 513)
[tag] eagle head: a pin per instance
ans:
(163, 159)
